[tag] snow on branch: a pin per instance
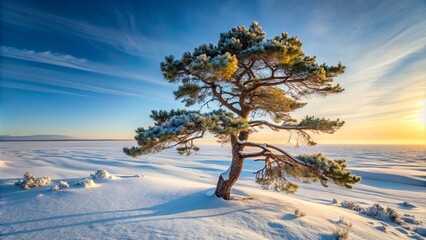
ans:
(321, 124)
(178, 128)
(324, 169)
(308, 123)
(280, 165)
(247, 64)
(312, 124)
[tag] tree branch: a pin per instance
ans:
(184, 139)
(265, 82)
(223, 101)
(253, 155)
(267, 148)
(308, 123)
(276, 126)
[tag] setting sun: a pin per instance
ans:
(421, 114)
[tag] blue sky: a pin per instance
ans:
(91, 69)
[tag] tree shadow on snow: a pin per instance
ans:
(192, 206)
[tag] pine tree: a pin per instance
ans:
(250, 77)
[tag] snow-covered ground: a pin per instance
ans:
(173, 198)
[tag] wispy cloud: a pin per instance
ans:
(32, 87)
(47, 57)
(34, 77)
(384, 81)
(383, 76)
(128, 38)
(388, 52)
(69, 61)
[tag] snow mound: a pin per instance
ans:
(30, 181)
(86, 182)
(408, 204)
(62, 184)
(101, 174)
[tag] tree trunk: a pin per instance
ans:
(228, 178)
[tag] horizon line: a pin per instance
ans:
(204, 144)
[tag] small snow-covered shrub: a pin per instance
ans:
(406, 226)
(101, 174)
(351, 205)
(86, 182)
(393, 215)
(341, 234)
(299, 213)
(378, 212)
(407, 218)
(375, 210)
(411, 219)
(62, 184)
(342, 221)
(30, 181)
